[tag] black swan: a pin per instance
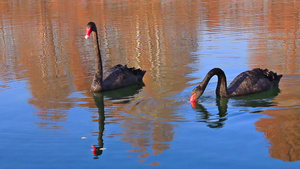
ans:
(248, 82)
(116, 77)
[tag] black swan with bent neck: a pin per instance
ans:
(116, 77)
(248, 82)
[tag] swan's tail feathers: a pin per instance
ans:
(272, 76)
(119, 66)
(139, 73)
(142, 73)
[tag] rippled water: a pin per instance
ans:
(49, 118)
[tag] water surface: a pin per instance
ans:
(49, 118)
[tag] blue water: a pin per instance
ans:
(49, 119)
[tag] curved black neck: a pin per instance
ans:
(222, 84)
(98, 66)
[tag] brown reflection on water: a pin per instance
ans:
(282, 132)
(43, 42)
(276, 45)
(148, 35)
(37, 58)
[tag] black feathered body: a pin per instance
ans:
(248, 82)
(253, 81)
(118, 76)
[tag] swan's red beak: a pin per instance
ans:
(88, 32)
(193, 100)
(94, 150)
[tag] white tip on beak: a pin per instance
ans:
(86, 36)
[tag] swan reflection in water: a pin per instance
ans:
(264, 99)
(207, 117)
(123, 96)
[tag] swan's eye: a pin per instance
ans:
(195, 90)
(198, 89)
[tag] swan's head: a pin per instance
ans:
(196, 93)
(91, 26)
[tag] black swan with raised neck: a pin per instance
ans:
(248, 82)
(116, 77)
